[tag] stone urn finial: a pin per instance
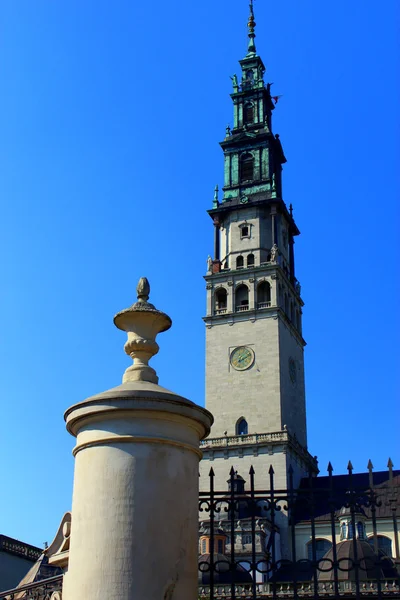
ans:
(142, 322)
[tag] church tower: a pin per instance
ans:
(254, 343)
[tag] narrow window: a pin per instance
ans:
(220, 300)
(246, 539)
(351, 532)
(263, 295)
(343, 531)
(242, 297)
(248, 113)
(250, 260)
(244, 231)
(203, 546)
(242, 427)
(247, 167)
(220, 547)
(239, 262)
(360, 530)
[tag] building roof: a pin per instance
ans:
(348, 553)
(386, 490)
(18, 548)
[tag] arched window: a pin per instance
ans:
(239, 262)
(246, 167)
(220, 300)
(203, 546)
(242, 427)
(250, 260)
(350, 531)
(263, 295)
(384, 544)
(343, 531)
(360, 530)
(321, 548)
(250, 75)
(242, 298)
(248, 113)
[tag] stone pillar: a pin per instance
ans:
(134, 530)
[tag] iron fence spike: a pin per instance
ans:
(370, 466)
(349, 466)
(252, 471)
(232, 471)
(271, 470)
(330, 468)
(211, 473)
(390, 463)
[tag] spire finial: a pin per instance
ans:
(251, 26)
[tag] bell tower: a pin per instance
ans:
(254, 343)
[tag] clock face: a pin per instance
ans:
(242, 358)
(292, 370)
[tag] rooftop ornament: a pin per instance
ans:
(142, 322)
(251, 26)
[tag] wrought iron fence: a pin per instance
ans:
(325, 538)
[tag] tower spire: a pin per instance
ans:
(251, 26)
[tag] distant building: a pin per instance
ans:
(16, 559)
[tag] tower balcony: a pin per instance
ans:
(264, 304)
(242, 308)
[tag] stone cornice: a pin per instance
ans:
(12, 546)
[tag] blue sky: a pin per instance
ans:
(110, 117)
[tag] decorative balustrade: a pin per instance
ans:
(220, 311)
(242, 308)
(240, 440)
(303, 590)
(264, 304)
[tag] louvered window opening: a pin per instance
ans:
(249, 113)
(247, 169)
